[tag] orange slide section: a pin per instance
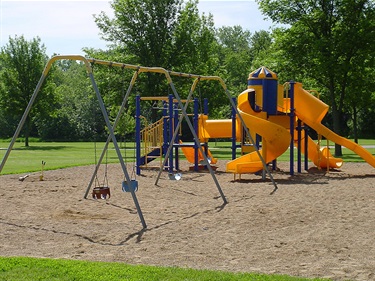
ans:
(189, 154)
(311, 111)
(321, 156)
(275, 138)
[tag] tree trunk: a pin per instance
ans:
(355, 124)
(27, 131)
(337, 129)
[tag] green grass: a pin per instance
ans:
(25, 269)
(70, 154)
(58, 155)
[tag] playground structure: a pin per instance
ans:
(277, 116)
(280, 115)
(128, 184)
(266, 112)
(153, 140)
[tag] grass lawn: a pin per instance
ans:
(69, 154)
(57, 155)
(30, 269)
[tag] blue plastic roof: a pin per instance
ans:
(263, 73)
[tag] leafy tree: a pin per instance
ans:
(260, 42)
(169, 33)
(22, 63)
(113, 83)
(76, 108)
(236, 55)
(143, 29)
(327, 42)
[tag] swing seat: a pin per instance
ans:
(133, 186)
(101, 192)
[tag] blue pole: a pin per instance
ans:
(299, 130)
(138, 133)
(170, 139)
(205, 106)
(234, 130)
(292, 115)
(177, 139)
(306, 128)
(196, 111)
(165, 128)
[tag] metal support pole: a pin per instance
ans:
(166, 132)
(234, 122)
(292, 115)
(299, 159)
(177, 140)
(205, 106)
(138, 134)
(171, 130)
(184, 115)
(196, 112)
(115, 144)
(119, 114)
(306, 143)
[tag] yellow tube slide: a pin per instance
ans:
(312, 110)
(210, 129)
(275, 139)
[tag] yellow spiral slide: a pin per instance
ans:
(275, 139)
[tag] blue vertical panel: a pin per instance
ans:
(270, 96)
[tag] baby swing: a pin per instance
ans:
(102, 191)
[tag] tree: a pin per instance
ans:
(324, 43)
(236, 55)
(143, 29)
(168, 33)
(22, 63)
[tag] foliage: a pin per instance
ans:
(328, 42)
(235, 54)
(169, 34)
(322, 44)
(22, 63)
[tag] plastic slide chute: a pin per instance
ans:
(311, 111)
(275, 139)
(189, 153)
(320, 155)
(209, 129)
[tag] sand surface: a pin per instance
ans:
(316, 224)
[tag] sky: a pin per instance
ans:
(65, 27)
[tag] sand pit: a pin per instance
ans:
(315, 225)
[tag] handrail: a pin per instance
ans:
(152, 137)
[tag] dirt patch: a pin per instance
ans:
(316, 224)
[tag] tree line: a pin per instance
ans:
(326, 45)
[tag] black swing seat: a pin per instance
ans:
(101, 192)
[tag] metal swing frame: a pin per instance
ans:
(138, 69)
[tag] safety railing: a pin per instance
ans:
(152, 139)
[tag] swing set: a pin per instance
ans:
(131, 185)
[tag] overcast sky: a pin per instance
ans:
(65, 27)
